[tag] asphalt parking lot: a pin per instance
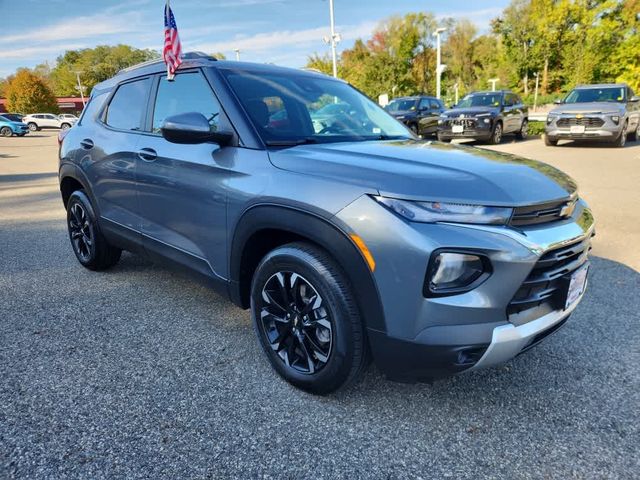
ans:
(141, 373)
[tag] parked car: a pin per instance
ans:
(354, 241)
(419, 113)
(14, 117)
(68, 116)
(603, 112)
(9, 127)
(485, 116)
(38, 121)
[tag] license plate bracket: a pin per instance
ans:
(577, 282)
(457, 129)
(577, 129)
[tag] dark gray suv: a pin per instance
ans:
(347, 238)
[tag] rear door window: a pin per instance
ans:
(189, 92)
(127, 107)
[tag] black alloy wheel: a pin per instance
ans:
(91, 248)
(81, 232)
(306, 318)
(296, 324)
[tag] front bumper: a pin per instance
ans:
(437, 337)
(475, 128)
(608, 131)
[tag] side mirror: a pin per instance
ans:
(557, 101)
(192, 128)
(635, 99)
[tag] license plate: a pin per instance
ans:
(457, 129)
(577, 129)
(576, 285)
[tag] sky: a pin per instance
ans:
(284, 32)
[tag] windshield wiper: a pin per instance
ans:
(290, 143)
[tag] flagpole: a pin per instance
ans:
(166, 10)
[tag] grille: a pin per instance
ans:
(465, 122)
(547, 284)
(585, 121)
(542, 213)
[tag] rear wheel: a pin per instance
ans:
(524, 130)
(306, 319)
(32, 126)
(65, 126)
(550, 142)
(89, 245)
(6, 132)
(496, 134)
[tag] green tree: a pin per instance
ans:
(95, 65)
(28, 93)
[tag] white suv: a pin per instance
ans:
(37, 121)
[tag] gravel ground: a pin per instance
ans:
(142, 373)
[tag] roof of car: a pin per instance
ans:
(490, 91)
(602, 85)
(198, 59)
(414, 97)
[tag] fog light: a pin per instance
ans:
(616, 119)
(487, 120)
(451, 272)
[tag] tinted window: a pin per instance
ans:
(189, 92)
(435, 104)
(95, 104)
(588, 95)
(493, 99)
(128, 105)
(424, 104)
(402, 105)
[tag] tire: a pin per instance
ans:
(635, 135)
(523, 133)
(335, 351)
(414, 128)
(550, 142)
(442, 139)
(89, 245)
(33, 127)
(496, 134)
(621, 141)
(65, 126)
(6, 132)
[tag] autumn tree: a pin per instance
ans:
(28, 93)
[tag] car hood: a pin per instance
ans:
(596, 107)
(430, 171)
(471, 111)
(400, 113)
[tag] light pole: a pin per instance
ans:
(333, 40)
(493, 82)
(237, 50)
(535, 95)
(456, 88)
(439, 67)
(80, 87)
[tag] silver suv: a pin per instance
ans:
(38, 121)
(605, 113)
(347, 238)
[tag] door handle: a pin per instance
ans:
(87, 144)
(148, 154)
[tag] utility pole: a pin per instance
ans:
(237, 50)
(493, 82)
(80, 87)
(535, 95)
(439, 66)
(333, 40)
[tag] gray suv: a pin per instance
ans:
(348, 239)
(605, 113)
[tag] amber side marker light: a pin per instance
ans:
(364, 250)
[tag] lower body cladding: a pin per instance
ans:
(533, 280)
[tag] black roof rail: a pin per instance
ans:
(185, 56)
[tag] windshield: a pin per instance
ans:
(402, 105)
(590, 95)
(289, 108)
(481, 100)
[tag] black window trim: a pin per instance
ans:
(100, 117)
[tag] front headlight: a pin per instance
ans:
(431, 212)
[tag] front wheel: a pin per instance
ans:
(496, 135)
(6, 132)
(621, 141)
(32, 126)
(442, 139)
(306, 318)
(635, 135)
(550, 142)
(89, 245)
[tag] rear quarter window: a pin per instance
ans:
(93, 108)
(128, 105)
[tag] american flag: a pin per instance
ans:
(172, 48)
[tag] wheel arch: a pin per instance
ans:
(72, 179)
(264, 227)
